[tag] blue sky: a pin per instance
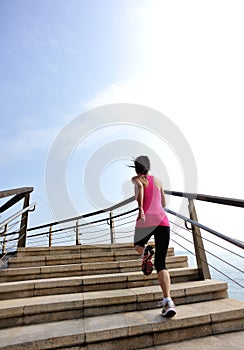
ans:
(55, 56)
(59, 58)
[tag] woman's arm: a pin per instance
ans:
(139, 194)
(163, 200)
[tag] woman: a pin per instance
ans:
(152, 221)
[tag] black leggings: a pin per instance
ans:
(161, 238)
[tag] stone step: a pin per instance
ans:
(72, 258)
(79, 249)
(20, 274)
(77, 284)
(32, 310)
(129, 330)
(227, 341)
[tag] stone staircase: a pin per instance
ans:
(96, 297)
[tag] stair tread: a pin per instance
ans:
(224, 341)
(83, 265)
(107, 296)
(99, 295)
(99, 328)
(38, 251)
(79, 254)
(74, 280)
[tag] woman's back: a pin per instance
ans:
(152, 204)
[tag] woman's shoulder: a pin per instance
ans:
(157, 182)
(134, 178)
(140, 180)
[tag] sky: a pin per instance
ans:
(61, 58)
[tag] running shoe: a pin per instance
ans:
(147, 265)
(168, 309)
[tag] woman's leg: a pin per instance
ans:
(161, 244)
(161, 237)
(141, 239)
(164, 281)
(142, 236)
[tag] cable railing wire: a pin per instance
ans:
(87, 232)
(212, 254)
(214, 232)
(10, 226)
(128, 216)
(222, 273)
(107, 233)
(14, 233)
(118, 217)
(68, 234)
(59, 233)
(10, 247)
(128, 222)
(206, 239)
(233, 241)
(224, 248)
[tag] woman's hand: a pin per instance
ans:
(141, 215)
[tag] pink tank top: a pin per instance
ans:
(154, 212)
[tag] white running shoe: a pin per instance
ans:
(168, 309)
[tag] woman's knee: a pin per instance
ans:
(159, 265)
(139, 249)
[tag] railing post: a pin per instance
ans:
(23, 223)
(201, 257)
(4, 240)
(112, 234)
(50, 236)
(77, 232)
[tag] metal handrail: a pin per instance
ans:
(82, 225)
(207, 198)
(201, 197)
(205, 228)
(201, 258)
(190, 196)
(15, 191)
(14, 216)
(102, 211)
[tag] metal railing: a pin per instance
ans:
(107, 217)
(200, 251)
(10, 239)
(17, 194)
(110, 219)
(108, 226)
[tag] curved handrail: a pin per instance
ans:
(17, 194)
(113, 207)
(200, 254)
(201, 197)
(31, 207)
